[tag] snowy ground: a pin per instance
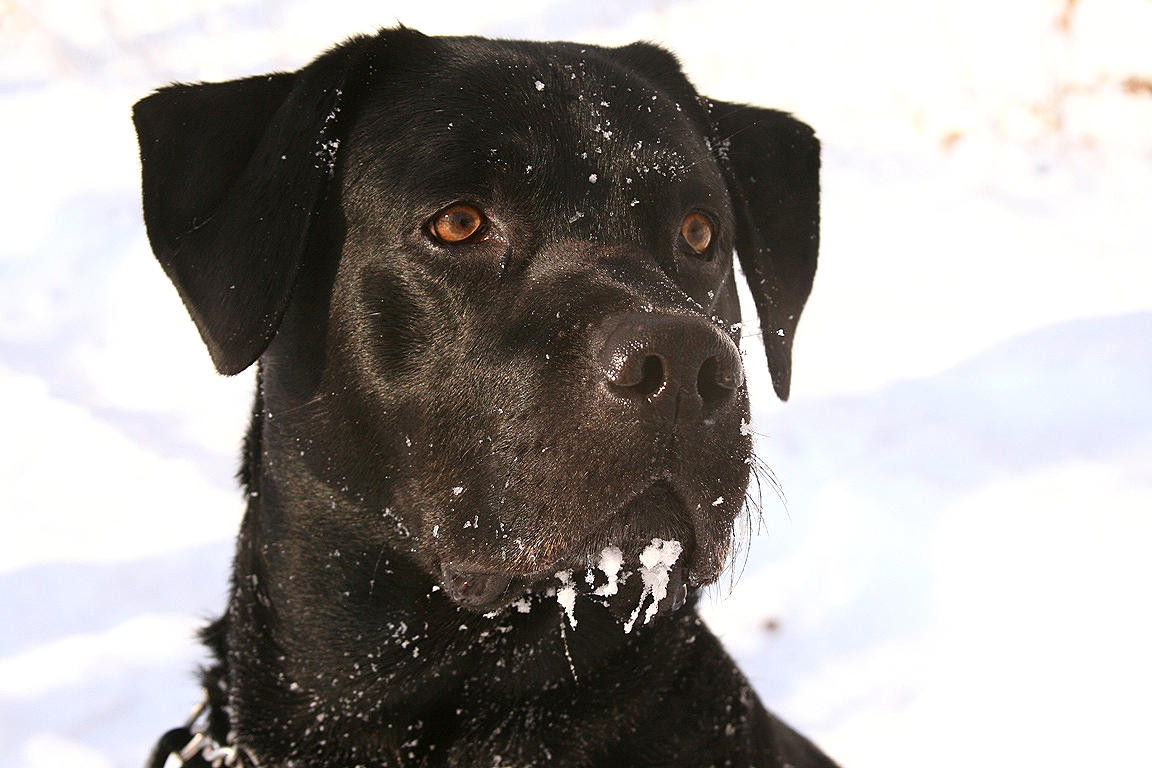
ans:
(962, 573)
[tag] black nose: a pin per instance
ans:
(684, 367)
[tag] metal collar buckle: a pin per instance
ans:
(199, 750)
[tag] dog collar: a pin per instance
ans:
(192, 746)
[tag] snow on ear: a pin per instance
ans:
(232, 175)
(772, 165)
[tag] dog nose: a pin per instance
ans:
(684, 367)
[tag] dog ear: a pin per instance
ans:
(772, 165)
(233, 174)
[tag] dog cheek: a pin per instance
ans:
(395, 328)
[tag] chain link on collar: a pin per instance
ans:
(192, 746)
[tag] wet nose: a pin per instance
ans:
(685, 368)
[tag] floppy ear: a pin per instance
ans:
(772, 165)
(232, 176)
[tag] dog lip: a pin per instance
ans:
(475, 589)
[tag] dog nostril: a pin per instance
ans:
(638, 379)
(651, 376)
(715, 383)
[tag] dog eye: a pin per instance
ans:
(456, 223)
(697, 232)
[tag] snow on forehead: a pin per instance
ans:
(624, 130)
(595, 102)
(526, 118)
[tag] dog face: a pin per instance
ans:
(490, 285)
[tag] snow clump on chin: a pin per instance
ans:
(656, 561)
(566, 596)
(611, 561)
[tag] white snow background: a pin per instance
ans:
(962, 574)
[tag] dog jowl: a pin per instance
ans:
(497, 443)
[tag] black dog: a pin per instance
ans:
(497, 443)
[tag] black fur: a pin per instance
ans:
(440, 429)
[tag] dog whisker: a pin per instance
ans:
(306, 404)
(375, 569)
(764, 474)
(750, 521)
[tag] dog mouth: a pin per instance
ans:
(636, 562)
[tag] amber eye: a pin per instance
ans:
(456, 223)
(697, 232)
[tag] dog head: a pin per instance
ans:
(490, 287)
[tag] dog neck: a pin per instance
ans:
(359, 656)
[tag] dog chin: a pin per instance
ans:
(629, 595)
(645, 555)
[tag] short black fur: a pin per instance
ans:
(440, 429)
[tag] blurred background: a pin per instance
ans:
(960, 574)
